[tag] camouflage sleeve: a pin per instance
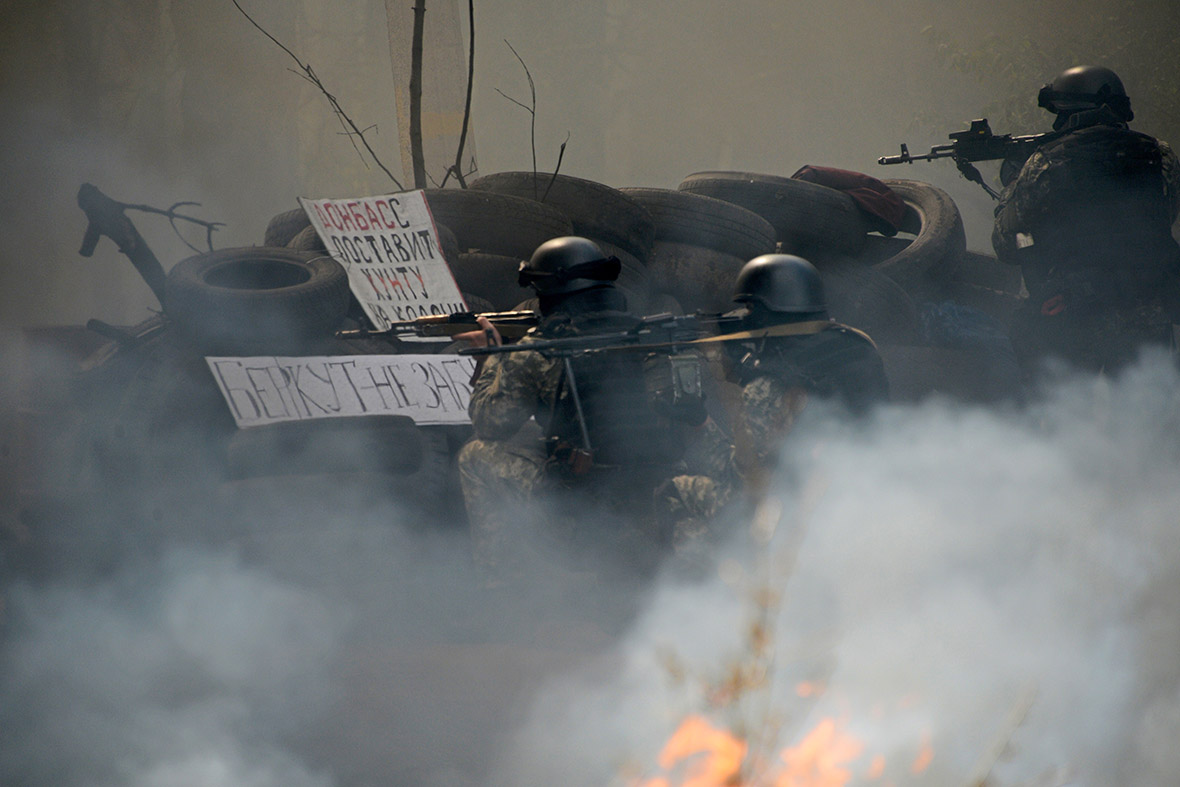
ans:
(1019, 205)
(511, 388)
(769, 408)
(710, 452)
(1171, 179)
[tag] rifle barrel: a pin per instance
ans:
(512, 325)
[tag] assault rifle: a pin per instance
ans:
(977, 143)
(664, 331)
(511, 325)
(658, 333)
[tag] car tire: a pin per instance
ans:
(256, 300)
(285, 226)
(595, 210)
(940, 240)
(864, 298)
(492, 223)
(806, 216)
(701, 279)
(698, 220)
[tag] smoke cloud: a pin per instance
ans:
(996, 586)
(988, 589)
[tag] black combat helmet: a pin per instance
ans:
(563, 266)
(781, 283)
(1085, 87)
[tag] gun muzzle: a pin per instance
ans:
(903, 158)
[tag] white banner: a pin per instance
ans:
(389, 247)
(431, 389)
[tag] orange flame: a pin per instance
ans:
(817, 760)
(708, 756)
(720, 767)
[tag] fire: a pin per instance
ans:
(720, 767)
(817, 760)
(700, 754)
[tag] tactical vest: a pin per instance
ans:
(1100, 212)
(620, 418)
(838, 363)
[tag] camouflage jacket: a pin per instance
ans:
(620, 396)
(778, 376)
(513, 387)
(1097, 200)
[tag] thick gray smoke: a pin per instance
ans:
(992, 589)
(998, 586)
(986, 590)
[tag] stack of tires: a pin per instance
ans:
(492, 233)
(280, 481)
(620, 225)
(700, 245)
(890, 286)
(824, 226)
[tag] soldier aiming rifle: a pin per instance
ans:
(978, 143)
(620, 439)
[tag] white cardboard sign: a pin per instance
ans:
(431, 389)
(389, 247)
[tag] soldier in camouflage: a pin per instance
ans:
(792, 351)
(590, 463)
(1089, 221)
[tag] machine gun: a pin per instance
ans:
(511, 325)
(978, 143)
(663, 334)
(664, 331)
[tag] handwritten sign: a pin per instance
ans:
(389, 247)
(431, 389)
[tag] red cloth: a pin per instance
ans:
(881, 205)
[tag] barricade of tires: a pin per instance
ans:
(265, 300)
(937, 312)
(617, 223)
(700, 244)
(682, 247)
(894, 288)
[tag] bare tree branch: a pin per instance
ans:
(306, 72)
(173, 217)
(457, 168)
(532, 110)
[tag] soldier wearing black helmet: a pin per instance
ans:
(1089, 221)
(585, 428)
(791, 351)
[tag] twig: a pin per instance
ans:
(553, 177)
(173, 217)
(306, 72)
(457, 168)
(532, 110)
